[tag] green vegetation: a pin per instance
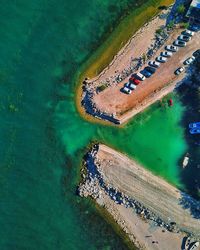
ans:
(184, 25)
(162, 7)
(181, 9)
(159, 31)
(102, 87)
(170, 24)
(144, 57)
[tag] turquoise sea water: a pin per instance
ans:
(43, 138)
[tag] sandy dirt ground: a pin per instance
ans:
(140, 232)
(153, 192)
(135, 47)
(113, 101)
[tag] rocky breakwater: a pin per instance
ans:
(93, 185)
(88, 92)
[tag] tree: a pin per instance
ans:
(185, 25)
(170, 24)
(159, 31)
(181, 9)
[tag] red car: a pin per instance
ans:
(135, 81)
(170, 102)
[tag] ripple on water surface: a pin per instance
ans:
(43, 137)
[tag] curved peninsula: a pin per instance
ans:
(103, 96)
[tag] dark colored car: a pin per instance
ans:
(196, 53)
(150, 69)
(134, 80)
(146, 73)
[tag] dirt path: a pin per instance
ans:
(134, 48)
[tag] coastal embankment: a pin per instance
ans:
(102, 96)
(107, 53)
(147, 208)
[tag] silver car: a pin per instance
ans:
(184, 38)
(171, 48)
(179, 70)
(179, 43)
(126, 90)
(131, 86)
(166, 54)
(189, 60)
(161, 59)
(188, 33)
(154, 64)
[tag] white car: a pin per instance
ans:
(166, 54)
(188, 33)
(140, 76)
(154, 64)
(189, 60)
(161, 59)
(131, 86)
(179, 43)
(126, 90)
(194, 245)
(171, 48)
(179, 70)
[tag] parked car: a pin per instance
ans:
(154, 64)
(140, 76)
(126, 90)
(166, 54)
(179, 70)
(194, 131)
(189, 60)
(194, 27)
(134, 80)
(171, 48)
(194, 125)
(188, 33)
(129, 85)
(150, 69)
(184, 38)
(179, 43)
(146, 73)
(196, 53)
(161, 59)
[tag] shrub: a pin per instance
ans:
(185, 25)
(170, 24)
(102, 87)
(159, 31)
(162, 7)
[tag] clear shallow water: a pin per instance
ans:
(155, 139)
(42, 136)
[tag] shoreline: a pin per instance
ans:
(121, 214)
(101, 97)
(87, 70)
(132, 215)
